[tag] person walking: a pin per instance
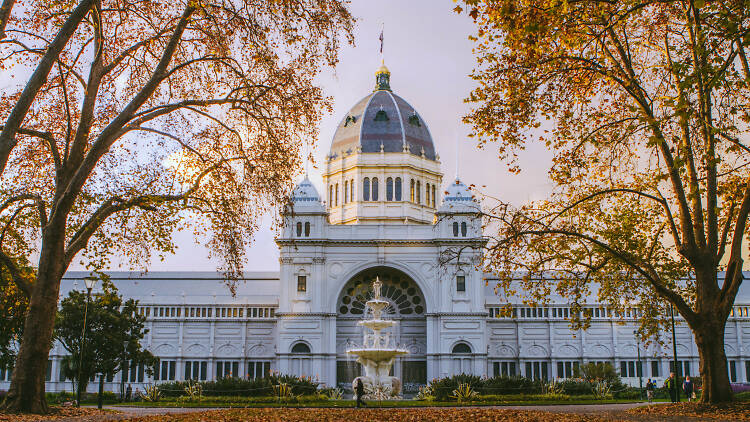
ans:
(650, 390)
(128, 393)
(359, 390)
(670, 384)
(688, 388)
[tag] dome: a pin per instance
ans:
(383, 121)
(458, 198)
(305, 197)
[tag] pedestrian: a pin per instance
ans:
(359, 390)
(670, 384)
(137, 396)
(688, 388)
(650, 390)
(128, 392)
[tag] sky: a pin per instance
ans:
(428, 52)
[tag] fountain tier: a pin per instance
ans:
(377, 354)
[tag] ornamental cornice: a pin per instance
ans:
(461, 314)
(290, 315)
(383, 242)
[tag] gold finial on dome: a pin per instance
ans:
(382, 69)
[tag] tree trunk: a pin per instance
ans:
(26, 393)
(713, 362)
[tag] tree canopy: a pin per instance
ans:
(139, 118)
(114, 331)
(644, 106)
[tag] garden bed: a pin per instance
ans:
(312, 402)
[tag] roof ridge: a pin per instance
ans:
(400, 119)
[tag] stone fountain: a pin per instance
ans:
(377, 353)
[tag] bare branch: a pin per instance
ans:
(37, 80)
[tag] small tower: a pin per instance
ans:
(382, 78)
(304, 216)
(459, 214)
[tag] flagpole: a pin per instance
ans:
(382, 30)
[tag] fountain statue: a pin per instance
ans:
(377, 354)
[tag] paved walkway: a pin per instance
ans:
(580, 408)
(558, 408)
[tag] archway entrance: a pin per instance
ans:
(407, 306)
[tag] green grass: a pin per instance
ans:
(351, 403)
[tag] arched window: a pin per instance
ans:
(330, 196)
(346, 192)
(461, 348)
(307, 229)
(398, 189)
(455, 229)
(301, 348)
(374, 188)
(433, 196)
(419, 192)
(412, 190)
(336, 192)
(366, 190)
(389, 189)
(427, 194)
(463, 228)
(351, 190)
(299, 229)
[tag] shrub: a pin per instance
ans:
(151, 394)
(425, 394)
(464, 393)
(576, 387)
(629, 393)
(61, 397)
(283, 392)
(510, 385)
(107, 397)
(442, 388)
(602, 390)
(331, 393)
(257, 387)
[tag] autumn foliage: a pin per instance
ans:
(133, 119)
(644, 107)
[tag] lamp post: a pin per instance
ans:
(639, 368)
(90, 282)
(674, 352)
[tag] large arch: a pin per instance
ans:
(407, 306)
(355, 271)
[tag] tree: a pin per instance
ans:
(644, 106)
(142, 118)
(114, 331)
(13, 307)
(597, 371)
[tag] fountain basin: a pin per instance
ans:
(377, 355)
(377, 324)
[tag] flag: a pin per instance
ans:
(381, 41)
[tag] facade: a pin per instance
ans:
(381, 215)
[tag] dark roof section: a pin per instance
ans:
(360, 128)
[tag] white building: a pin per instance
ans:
(382, 215)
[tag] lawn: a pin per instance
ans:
(243, 402)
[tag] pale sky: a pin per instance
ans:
(430, 59)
